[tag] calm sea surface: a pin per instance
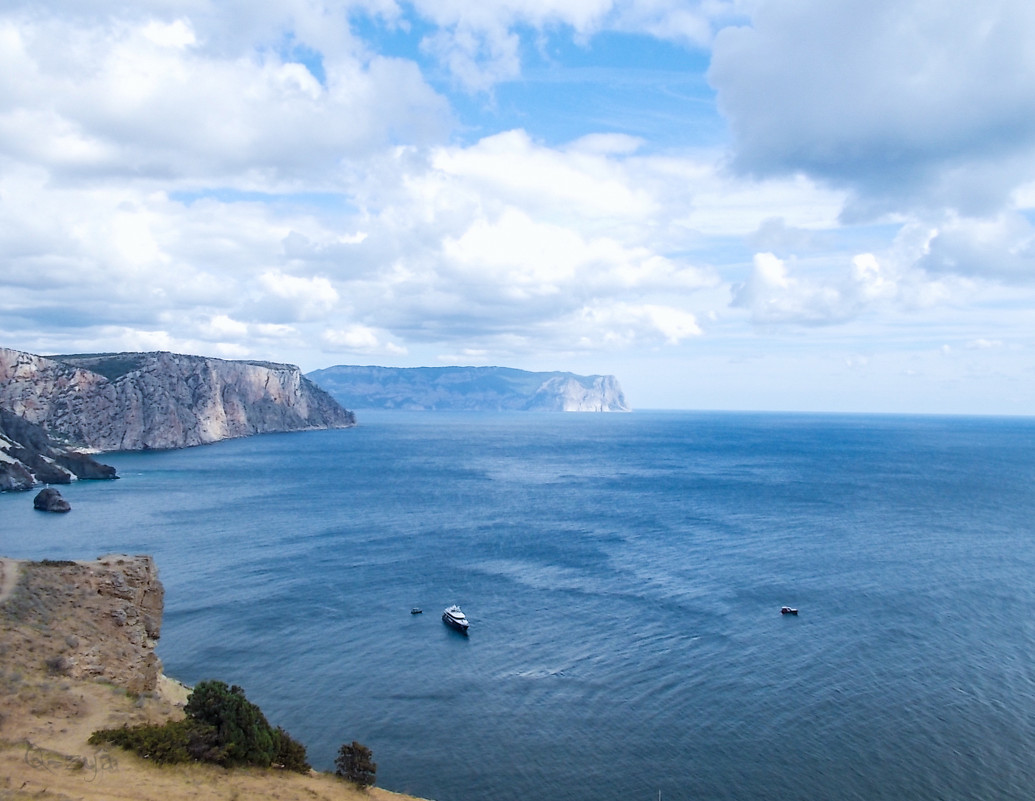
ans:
(623, 575)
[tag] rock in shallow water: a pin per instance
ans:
(50, 500)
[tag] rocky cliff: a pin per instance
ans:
(470, 389)
(139, 401)
(77, 655)
(28, 457)
(95, 620)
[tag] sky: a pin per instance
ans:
(811, 205)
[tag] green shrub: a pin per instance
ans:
(164, 745)
(291, 754)
(222, 726)
(355, 764)
(243, 732)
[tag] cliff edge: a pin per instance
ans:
(84, 620)
(142, 401)
(77, 655)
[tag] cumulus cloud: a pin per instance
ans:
(145, 100)
(588, 178)
(774, 295)
(100, 258)
(1002, 247)
(360, 339)
(523, 258)
(259, 180)
(502, 246)
(290, 298)
(618, 324)
(481, 44)
(912, 105)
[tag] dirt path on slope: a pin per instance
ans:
(8, 577)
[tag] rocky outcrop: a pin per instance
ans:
(470, 388)
(141, 401)
(50, 500)
(96, 620)
(28, 457)
(569, 393)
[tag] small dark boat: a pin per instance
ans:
(416, 611)
(788, 610)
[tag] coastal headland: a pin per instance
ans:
(77, 654)
(469, 389)
(56, 411)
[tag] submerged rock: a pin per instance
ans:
(50, 500)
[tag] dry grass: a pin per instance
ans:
(44, 753)
(46, 718)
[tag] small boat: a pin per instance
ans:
(454, 618)
(788, 610)
(416, 611)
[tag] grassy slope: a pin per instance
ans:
(46, 719)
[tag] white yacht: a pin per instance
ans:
(455, 618)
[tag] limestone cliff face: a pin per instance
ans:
(97, 620)
(599, 393)
(139, 401)
(470, 389)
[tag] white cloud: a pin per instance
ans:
(360, 339)
(774, 296)
(178, 34)
(481, 46)
(581, 180)
(725, 205)
(524, 258)
(501, 246)
(691, 24)
(625, 325)
(912, 105)
(256, 180)
(294, 298)
(221, 326)
(477, 42)
(1001, 247)
(142, 101)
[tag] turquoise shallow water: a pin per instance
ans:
(623, 575)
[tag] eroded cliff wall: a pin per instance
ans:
(138, 401)
(569, 393)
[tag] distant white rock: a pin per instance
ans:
(598, 393)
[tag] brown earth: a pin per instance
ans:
(74, 639)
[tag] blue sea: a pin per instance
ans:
(623, 575)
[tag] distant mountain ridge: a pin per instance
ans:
(469, 389)
(140, 401)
